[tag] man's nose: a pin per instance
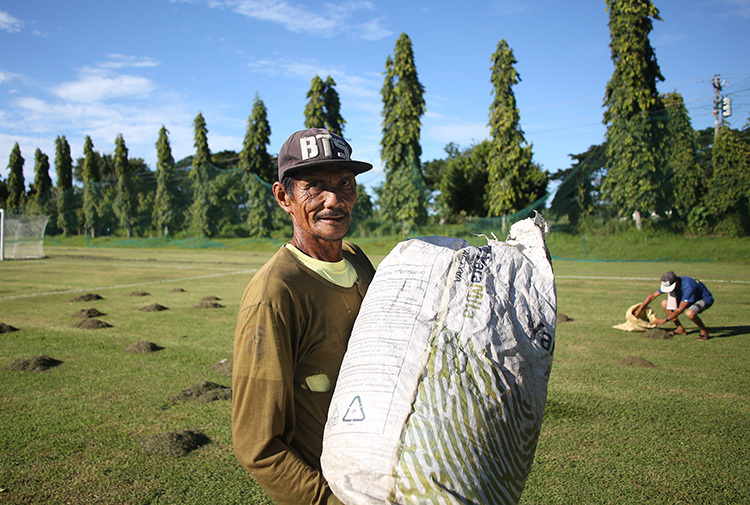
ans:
(332, 197)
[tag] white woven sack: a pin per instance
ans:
(443, 386)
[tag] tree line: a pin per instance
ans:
(652, 166)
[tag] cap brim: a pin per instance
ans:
(667, 288)
(357, 167)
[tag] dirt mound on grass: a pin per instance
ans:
(562, 318)
(204, 392)
(636, 361)
(143, 347)
(6, 328)
(223, 367)
(88, 297)
(154, 307)
(139, 293)
(34, 364)
(174, 443)
(88, 313)
(657, 334)
(210, 299)
(208, 305)
(178, 290)
(92, 324)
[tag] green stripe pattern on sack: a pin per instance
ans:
(471, 437)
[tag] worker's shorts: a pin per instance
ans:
(700, 306)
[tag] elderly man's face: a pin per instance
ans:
(321, 203)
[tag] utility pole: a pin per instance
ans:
(717, 104)
(722, 105)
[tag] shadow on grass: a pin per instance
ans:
(728, 331)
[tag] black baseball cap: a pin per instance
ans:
(315, 147)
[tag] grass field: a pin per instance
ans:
(673, 432)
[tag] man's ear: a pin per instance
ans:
(282, 197)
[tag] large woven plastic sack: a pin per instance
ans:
(643, 322)
(443, 386)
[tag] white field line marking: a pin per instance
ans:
(646, 279)
(181, 279)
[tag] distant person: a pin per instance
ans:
(684, 294)
(295, 320)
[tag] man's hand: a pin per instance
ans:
(659, 321)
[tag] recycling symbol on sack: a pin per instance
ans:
(355, 412)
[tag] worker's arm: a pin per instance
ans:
(263, 410)
(672, 315)
(645, 303)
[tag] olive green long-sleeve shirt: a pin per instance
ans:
(293, 327)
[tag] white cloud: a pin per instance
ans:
(95, 85)
(739, 8)
(671, 38)
(509, 7)
(357, 91)
(116, 61)
(9, 23)
(462, 133)
(322, 20)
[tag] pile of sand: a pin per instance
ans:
(636, 361)
(657, 334)
(562, 318)
(34, 364)
(92, 324)
(143, 347)
(178, 290)
(6, 328)
(223, 367)
(208, 305)
(154, 307)
(174, 443)
(139, 293)
(210, 298)
(88, 313)
(204, 392)
(88, 297)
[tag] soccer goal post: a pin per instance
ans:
(21, 236)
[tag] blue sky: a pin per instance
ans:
(103, 67)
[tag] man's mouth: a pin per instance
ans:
(331, 217)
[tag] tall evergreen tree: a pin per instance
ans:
(460, 185)
(200, 176)
(729, 187)
(164, 211)
(260, 207)
(64, 170)
(679, 153)
(42, 185)
(404, 194)
(257, 167)
(254, 157)
(334, 122)
(125, 200)
(16, 184)
(315, 115)
(633, 182)
(514, 180)
(90, 190)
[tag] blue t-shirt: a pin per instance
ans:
(691, 290)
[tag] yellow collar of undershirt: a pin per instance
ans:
(341, 273)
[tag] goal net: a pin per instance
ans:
(21, 236)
